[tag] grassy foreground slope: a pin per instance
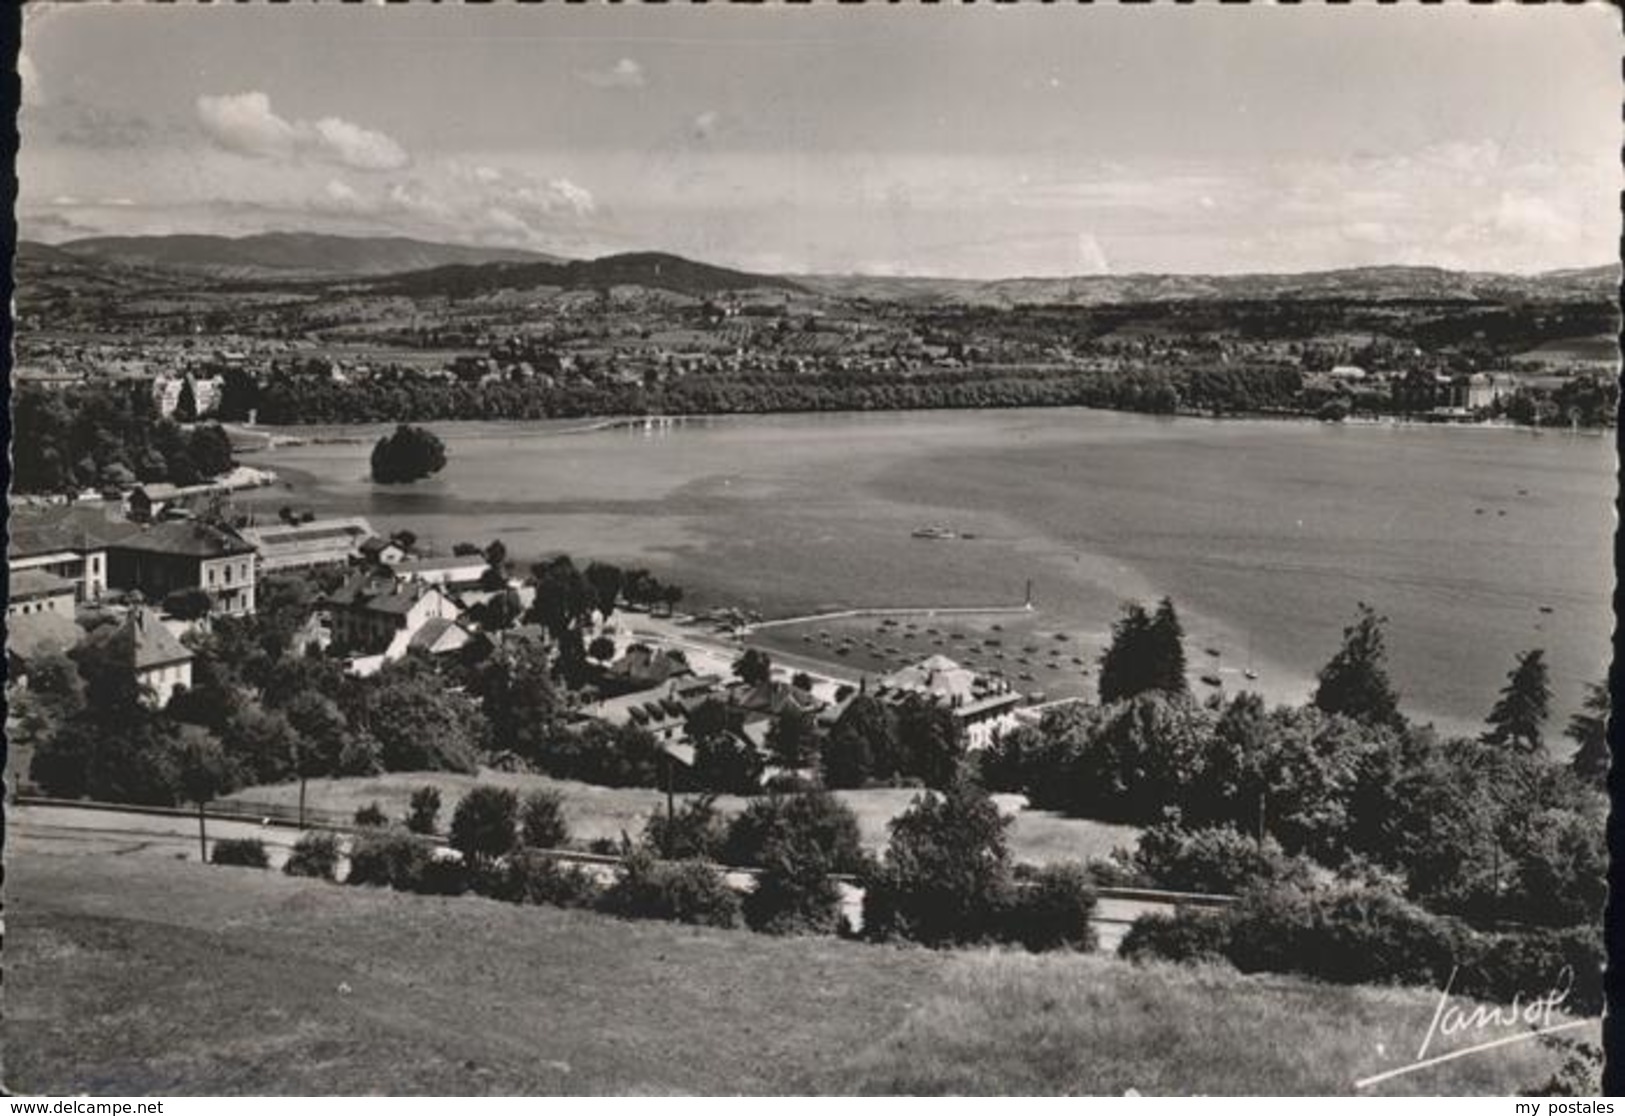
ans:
(139, 974)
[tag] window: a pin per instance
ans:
(211, 577)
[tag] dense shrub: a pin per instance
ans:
(483, 825)
(1344, 935)
(1188, 934)
(528, 876)
(541, 821)
(685, 891)
(695, 832)
(388, 858)
(813, 821)
(425, 810)
(793, 892)
(1052, 910)
(1217, 860)
(314, 854)
(1531, 963)
(243, 852)
(440, 875)
(371, 816)
(946, 874)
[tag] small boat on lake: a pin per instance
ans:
(935, 531)
(1212, 680)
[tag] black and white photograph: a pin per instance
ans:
(708, 549)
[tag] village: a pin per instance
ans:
(163, 565)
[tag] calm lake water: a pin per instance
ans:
(1265, 534)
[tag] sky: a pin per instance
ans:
(977, 142)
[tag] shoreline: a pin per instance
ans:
(593, 424)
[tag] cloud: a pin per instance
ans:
(625, 74)
(1091, 257)
(33, 91)
(480, 203)
(245, 123)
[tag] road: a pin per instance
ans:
(80, 831)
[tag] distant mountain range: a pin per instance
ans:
(285, 255)
(1364, 284)
(656, 270)
(400, 265)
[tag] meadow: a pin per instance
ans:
(1036, 836)
(143, 975)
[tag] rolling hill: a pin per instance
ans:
(1373, 284)
(657, 270)
(288, 255)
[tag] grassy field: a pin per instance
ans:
(1037, 836)
(147, 975)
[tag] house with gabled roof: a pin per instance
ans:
(376, 616)
(159, 661)
(168, 557)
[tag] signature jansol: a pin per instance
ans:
(1524, 1019)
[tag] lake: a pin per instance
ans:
(1475, 543)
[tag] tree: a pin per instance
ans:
(931, 740)
(541, 823)
(496, 555)
(946, 872)
(601, 648)
(565, 600)
(792, 739)
(409, 454)
(483, 825)
(1144, 654)
(418, 722)
(802, 681)
(425, 810)
(754, 667)
(521, 707)
(606, 581)
(205, 774)
(862, 745)
(190, 603)
(1589, 729)
(210, 448)
(1167, 650)
(320, 731)
(1524, 705)
(186, 402)
(1355, 682)
(465, 550)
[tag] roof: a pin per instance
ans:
(435, 630)
(376, 595)
(377, 545)
(186, 538)
(75, 528)
(28, 584)
(318, 530)
(144, 641)
(410, 566)
(40, 633)
(938, 675)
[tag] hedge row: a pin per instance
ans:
(1368, 935)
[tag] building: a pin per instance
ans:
(159, 660)
(302, 546)
(984, 707)
(68, 543)
(367, 616)
(167, 557)
(33, 636)
(1479, 391)
(32, 591)
(453, 573)
(382, 552)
